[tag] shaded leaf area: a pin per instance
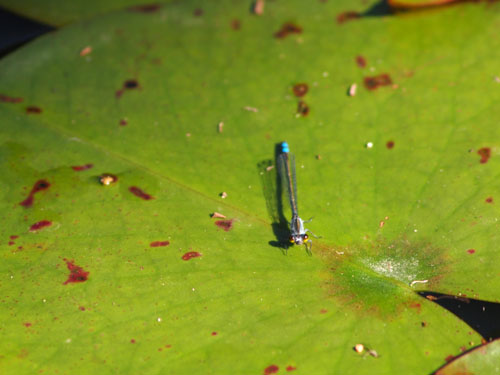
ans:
(60, 13)
(484, 359)
(391, 175)
(482, 316)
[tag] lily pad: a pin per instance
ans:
(183, 104)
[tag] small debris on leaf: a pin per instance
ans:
(258, 7)
(485, 154)
(302, 108)
(361, 61)
(381, 224)
(373, 83)
(359, 348)
(216, 215)
(418, 282)
(270, 168)
(223, 195)
(300, 89)
(107, 179)
(220, 127)
(287, 29)
(250, 109)
(86, 51)
(373, 353)
(369, 145)
(352, 89)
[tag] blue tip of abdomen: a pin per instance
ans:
(284, 147)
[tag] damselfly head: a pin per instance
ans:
(297, 239)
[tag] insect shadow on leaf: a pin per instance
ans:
(272, 189)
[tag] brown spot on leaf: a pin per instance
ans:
(226, 225)
(236, 24)
(373, 83)
(123, 122)
(347, 16)
(130, 84)
(300, 89)
(361, 61)
(39, 186)
(485, 154)
(272, 369)
(146, 8)
(140, 193)
(287, 29)
(10, 99)
(291, 368)
(27, 324)
(302, 108)
(76, 273)
(84, 167)
(190, 255)
(33, 110)
(389, 144)
(39, 225)
(198, 12)
(471, 251)
(159, 243)
(416, 306)
(489, 200)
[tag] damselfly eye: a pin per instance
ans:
(291, 239)
(306, 237)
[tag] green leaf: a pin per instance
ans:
(389, 215)
(481, 360)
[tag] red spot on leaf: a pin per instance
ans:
(449, 358)
(76, 273)
(132, 341)
(485, 154)
(39, 186)
(489, 200)
(300, 89)
(471, 251)
(11, 243)
(159, 243)
(27, 324)
(140, 193)
(39, 225)
(81, 308)
(214, 333)
(287, 29)
(13, 237)
(79, 168)
(323, 311)
(10, 99)
(416, 306)
(146, 8)
(373, 83)
(33, 110)
(123, 122)
(291, 368)
(347, 16)
(224, 224)
(190, 255)
(361, 61)
(389, 144)
(272, 369)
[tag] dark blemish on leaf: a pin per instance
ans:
(449, 358)
(471, 251)
(10, 99)
(389, 144)
(190, 255)
(485, 154)
(39, 186)
(291, 368)
(140, 193)
(123, 122)
(361, 61)
(198, 12)
(81, 308)
(107, 179)
(76, 273)
(300, 89)
(347, 16)
(11, 243)
(214, 333)
(323, 311)
(80, 168)
(302, 108)
(118, 93)
(130, 84)
(33, 110)
(159, 243)
(226, 225)
(424, 324)
(132, 341)
(39, 225)
(27, 324)
(489, 200)
(146, 8)
(372, 83)
(236, 24)
(272, 369)
(286, 29)
(13, 237)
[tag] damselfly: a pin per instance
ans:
(286, 168)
